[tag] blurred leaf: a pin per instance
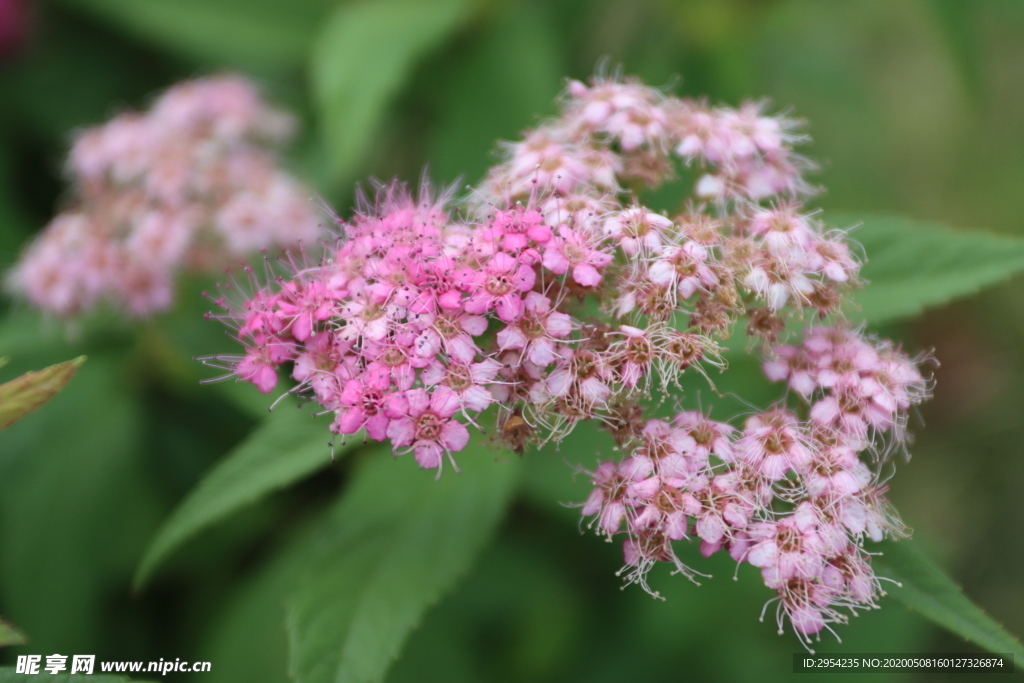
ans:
(360, 60)
(7, 675)
(957, 22)
(22, 335)
(179, 337)
(495, 88)
(514, 618)
(77, 73)
(396, 543)
(14, 224)
(28, 393)
(258, 34)
(913, 265)
(76, 508)
(550, 479)
(286, 447)
(10, 635)
(928, 590)
(248, 641)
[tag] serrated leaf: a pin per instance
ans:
(10, 635)
(28, 393)
(285, 448)
(8, 675)
(932, 593)
(258, 34)
(914, 265)
(396, 543)
(360, 60)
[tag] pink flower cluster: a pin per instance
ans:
(614, 134)
(190, 185)
(790, 496)
(388, 330)
(557, 296)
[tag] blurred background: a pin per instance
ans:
(915, 107)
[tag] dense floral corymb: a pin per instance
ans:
(189, 185)
(556, 296)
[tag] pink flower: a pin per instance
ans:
(369, 402)
(536, 331)
(849, 574)
(543, 160)
(500, 286)
(786, 550)
(325, 366)
(577, 251)
(627, 112)
(637, 229)
(773, 443)
(634, 355)
(808, 606)
(683, 269)
(709, 438)
(189, 186)
(665, 506)
(581, 373)
(394, 359)
(784, 232)
(834, 470)
(451, 333)
(427, 427)
(467, 382)
(789, 362)
(307, 305)
(608, 499)
(515, 229)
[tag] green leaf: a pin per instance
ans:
(257, 34)
(247, 640)
(928, 590)
(15, 226)
(282, 450)
(958, 26)
(494, 88)
(913, 265)
(77, 506)
(396, 542)
(7, 675)
(360, 60)
(10, 635)
(28, 393)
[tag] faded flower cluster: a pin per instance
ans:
(189, 185)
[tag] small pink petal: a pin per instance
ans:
(401, 432)
(586, 275)
(428, 454)
(454, 436)
(473, 325)
(377, 427)
(444, 402)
